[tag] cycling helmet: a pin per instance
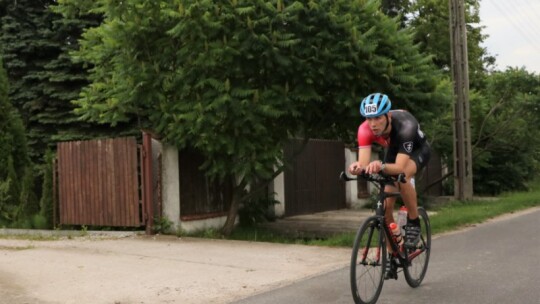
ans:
(374, 105)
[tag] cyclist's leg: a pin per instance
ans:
(389, 204)
(408, 192)
(389, 208)
(390, 157)
(390, 271)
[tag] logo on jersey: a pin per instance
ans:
(408, 146)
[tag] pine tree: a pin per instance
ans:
(36, 43)
(16, 178)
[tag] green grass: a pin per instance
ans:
(456, 215)
(451, 216)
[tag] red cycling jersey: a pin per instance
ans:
(366, 137)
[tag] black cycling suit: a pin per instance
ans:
(405, 137)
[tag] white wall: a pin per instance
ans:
(279, 190)
(201, 225)
(170, 185)
(171, 195)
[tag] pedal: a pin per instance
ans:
(391, 274)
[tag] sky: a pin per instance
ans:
(514, 32)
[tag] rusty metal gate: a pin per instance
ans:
(201, 197)
(99, 183)
(312, 182)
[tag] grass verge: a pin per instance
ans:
(451, 216)
(457, 215)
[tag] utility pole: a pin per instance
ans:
(463, 183)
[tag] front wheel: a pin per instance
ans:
(419, 257)
(368, 261)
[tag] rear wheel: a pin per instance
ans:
(368, 262)
(419, 257)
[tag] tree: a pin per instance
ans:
(430, 21)
(236, 79)
(506, 154)
(396, 8)
(24, 54)
(36, 43)
(16, 176)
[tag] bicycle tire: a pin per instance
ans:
(417, 268)
(367, 274)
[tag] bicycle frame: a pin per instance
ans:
(380, 182)
(380, 210)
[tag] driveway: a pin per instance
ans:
(163, 269)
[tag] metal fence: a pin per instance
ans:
(99, 183)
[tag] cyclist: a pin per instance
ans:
(407, 151)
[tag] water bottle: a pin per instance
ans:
(402, 219)
(396, 232)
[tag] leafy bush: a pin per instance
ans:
(39, 222)
(162, 224)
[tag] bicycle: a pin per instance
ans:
(369, 259)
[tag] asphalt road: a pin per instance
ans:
(495, 262)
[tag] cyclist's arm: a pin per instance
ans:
(365, 139)
(364, 156)
(399, 166)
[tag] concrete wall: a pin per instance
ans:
(279, 195)
(170, 185)
(170, 188)
(201, 225)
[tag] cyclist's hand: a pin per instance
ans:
(374, 167)
(355, 168)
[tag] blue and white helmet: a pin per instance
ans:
(374, 105)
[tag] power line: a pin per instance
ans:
(523, 19)
(533, 8)
(522, 32)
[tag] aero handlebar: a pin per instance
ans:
(376, 177)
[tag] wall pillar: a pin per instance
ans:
(171, 185)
